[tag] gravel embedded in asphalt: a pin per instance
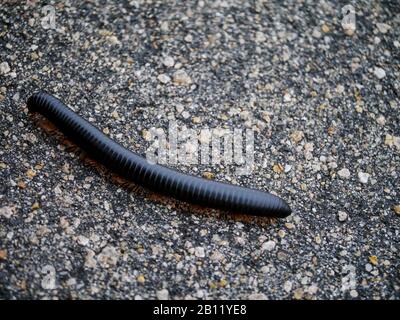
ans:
(323, 101)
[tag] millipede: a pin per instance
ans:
(155, 177)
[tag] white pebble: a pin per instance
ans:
(288, 167)
(162, 294)
(342, 216)
(316, 33)
(163, 78)
(344, 173)
(287, 97)
(268, 246)
(353, 293)
(108, 257)
(189, 38)
(82, 240)
(4, 68)
(379, 73)
(363, 177)
(180, 77)
(287, 286)
(340, 89)
(383, 27)
(199, 252)
(257, 296)
(185, 114)
(49, 280)
(179, 108)
(381, 120)
(7, 212)
(168, 62)
(260, 37)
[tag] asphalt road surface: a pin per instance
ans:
(318, 86)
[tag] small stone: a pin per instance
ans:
(106, 131)
(373, 260)
(189, 38)
(257, 296)
(344, 173)
(216, 256)
(168, 62)
(181, 78)
(316, 33)
(287, 97)
(287, 286)
(289, 225)
(278, 168)
(196, 120)
(260, 37)
(162, 294)
(30, 173)
(266, 117)
(185, 114)
(392, 141)
(21, 184)
(49, 280)
(325, 28)
(342, 216)
(57, 190)
(199, 252)
(90, 262)
(64, 223)
(381, 120)
(208, 175)
(383, 27)
(397, 209)
(268, 246)
(115, 115)
(297, 136)
(146, 134)
(379, 73)
(353, 293)
(179, 108)
(34, 56)
(108, 257)
(3, 254)
(113, 40)
(363, 177)
(4, 68)
(82, 240)
(35, 206)
(141, 279)
(340, 89)
(163, 78)
(368, 267)
(298, 294)
(349, 31)
(265, 269)
(7, 212)
(164, 26)
(71, 282)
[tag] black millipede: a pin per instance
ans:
(155, 177)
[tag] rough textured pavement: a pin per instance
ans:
(324, 102)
